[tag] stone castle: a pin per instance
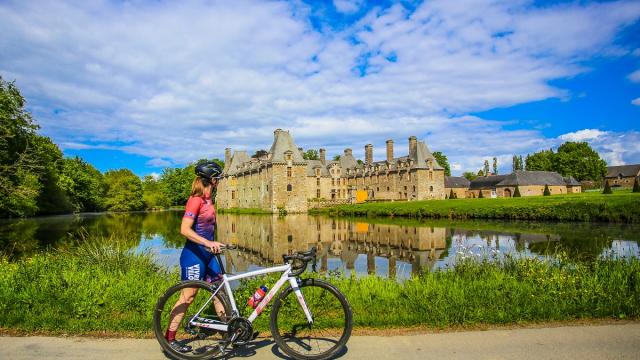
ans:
(282, 179)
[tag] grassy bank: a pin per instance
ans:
(245, 211)
(622, 207)
(110, 290)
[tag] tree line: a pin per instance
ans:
(575, 159)
(36, 178)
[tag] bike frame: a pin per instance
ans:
(226, 283)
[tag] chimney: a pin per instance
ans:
(227, 157)
(323, 158)
(347, 152)
(413, 147)
(301, 151)
(389, 150)
(368, 154)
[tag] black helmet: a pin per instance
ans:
(209, 170)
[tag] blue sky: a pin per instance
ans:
(151, 84)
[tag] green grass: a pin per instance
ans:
(621, 206)
(109, 289)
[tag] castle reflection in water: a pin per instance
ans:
(263, 240)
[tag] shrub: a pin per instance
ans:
(607, 188)
(546, 191)
(480, 196)
(516, 193)
(636, 185)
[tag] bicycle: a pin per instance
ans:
(306, 315)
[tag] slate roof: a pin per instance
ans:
(313, 164)
(624, 170)
(486, 182)
(456, 182)
(523, 178)
(283, 142)
(570, 181)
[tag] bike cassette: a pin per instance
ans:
(242, 329)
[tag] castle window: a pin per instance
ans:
(289, 171)
(318, 193)
(318, 181)
(289, 187)
(387, 188)
(431, 188)
(288, 156)
(414, 188)
(233, 195)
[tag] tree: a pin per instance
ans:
(579, 160)
(480, 173)
(153, 195)
(516, 193)
(20, 183)
(469, 175)
(311, 154)
(636, 185)
(546, 191)
(176, 184)
(540, 161)
(517, 163)
(124, 191)
(452, 195)
(486, 168)
(607, 188)
(443, 161)
(336, 158)
(481, 195)
(495, 166)
(83, 184)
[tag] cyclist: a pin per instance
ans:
(197, 260)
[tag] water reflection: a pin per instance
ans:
(389, 247)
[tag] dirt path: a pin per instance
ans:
(573, 342)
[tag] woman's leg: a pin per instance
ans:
(180, 308)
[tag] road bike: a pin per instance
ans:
(310, 318)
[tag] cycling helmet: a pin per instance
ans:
(209, 170)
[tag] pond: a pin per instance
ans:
(395, 248)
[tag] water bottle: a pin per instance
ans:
(255, 299)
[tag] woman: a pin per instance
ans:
(197, 260)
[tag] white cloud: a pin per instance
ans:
(616, 148)
(636, 101)
(347, 6)
(635, 76)
(180, 81)
(583, 135)
(157, 162)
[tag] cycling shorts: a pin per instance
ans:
(198, 265)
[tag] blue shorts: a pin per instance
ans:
(197, 264)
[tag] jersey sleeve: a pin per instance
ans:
(192, 208)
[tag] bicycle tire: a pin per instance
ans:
(332, 319)
(205, 340)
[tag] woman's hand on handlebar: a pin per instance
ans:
(214, 246)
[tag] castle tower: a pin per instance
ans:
(413, 147)
(390, 150)
(323, 156)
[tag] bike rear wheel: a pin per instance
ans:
(331, 327)
(203, 342)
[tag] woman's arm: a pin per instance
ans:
(187, 231)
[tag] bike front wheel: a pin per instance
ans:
(193, 341)
(326, 336)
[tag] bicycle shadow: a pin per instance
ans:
(251, 349)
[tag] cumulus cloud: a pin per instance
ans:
(583, 135)
(157, 162)
(347, 6)
(616, 148)
(635, 76)
(636, 101)
(181, 81)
